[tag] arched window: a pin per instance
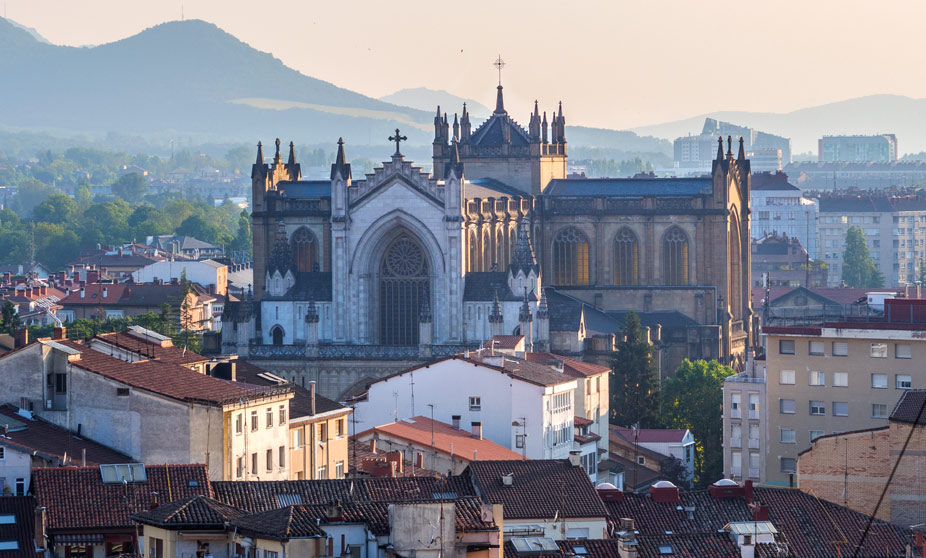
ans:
(305, 250)
(486, 250)
(626, 258)
(570, 258)
(500, 243)
(277, 335)
(473, 252)
(404, 289)
(736, 269)
(675, 257)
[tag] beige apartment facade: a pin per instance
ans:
(825, 380)
(318, 439)
(745, 440)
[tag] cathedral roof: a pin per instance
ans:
(499, 129)
(566, 312)
(628, 186)
(314, 285)
(483, 285)
(305, 188)
(489, 188)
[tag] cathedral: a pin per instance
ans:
(356, 278)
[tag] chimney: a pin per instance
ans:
(312, 397)
(396, 458)
(105, 292)
(59, 333)
(93, 276)
(39, 518)
(120, 252)
(7, 276)
(574, 459)
(83, 457)
(455, 421)
(20, 338)
(44, 291)
(477, 430)
(419, 460)
(233, 371)
(747, 491)
(373, 445)
(83, 294)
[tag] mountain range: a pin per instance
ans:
(192, 79)
(874, 114)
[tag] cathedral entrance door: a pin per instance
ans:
(404, 288)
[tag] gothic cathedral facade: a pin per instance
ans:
(356, 279)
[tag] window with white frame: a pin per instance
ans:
(816, 348)
(786, 377)
(817, 378)
(840, 379)
(475, 403)
(239, 423)
(339, 470)
(814, 434)
(282, 415)
(840, 409)
(903, 381)
(297, 438)
(879, 350)
(254, 424)
(840, 348)
(269, 417)
(787, 435)
(878, 410)
(735, 404)
(903, 350)
(817, 408)
(753, 405)
(879, 381)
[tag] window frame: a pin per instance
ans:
(821, 352)
(782, 438)
(782, 404)
(782, 343)
(475, 403)
(909, 351)
(837, 375)
(840, 344)
(880, 376)
(878, 350)
(785, 375)
(846, 403)
(818, 406)
(821, 376)
(897, 381)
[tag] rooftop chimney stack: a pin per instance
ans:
(477, 430)
(312, 397)
(455, 421)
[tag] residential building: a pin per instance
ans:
(119, 262)
(542, 498)
(187, 246)
(780, 208)
(836, 377)
(852, 468)
(209, 273)
(34, 303)
(745, 438)
(671, 443)
(87, 509)
(526, 407)
(858, 149)
(29, 442)
(894, 228)
(367, 460)
(884, 177)
(786, 306)
(647, 456)
(151, 409)
(695, 152)
(434, 445)
(780, 261)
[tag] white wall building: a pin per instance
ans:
(204, 272)
(780, 207)
(528, 408)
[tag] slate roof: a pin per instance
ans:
(281, 524)
(481, 286)
(491, 132)
(152, 347)
(909, 407)
(165, 242)
(167, 379)
(258, 496)
(540, 489)
(566, 312)
(198, 511)
(691, 545)
(447, 439)
(52, 442)
(22, 530)
(489, 188)
(628, 187)
(76, 498)
(305, 188)
(309, 285)
(811, 527)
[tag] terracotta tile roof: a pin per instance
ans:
(195, 510)
(571, 366)
(447, 439)
(77, 498)
(169, 380)
(301, 403)
(651, 435)
(93, 295)
(169, 353)
(360, 452)
(691, 545)
(540, 488)
(51, 442)
(909, 407)
(257, 496)
(22, 530)
(582, 421)
(504, 342)
(281, 524)
(812, 528)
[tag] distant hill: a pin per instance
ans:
(35, 34)
(426, 99)
(874, 114)
(192, 79)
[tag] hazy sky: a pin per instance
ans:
(614, 64)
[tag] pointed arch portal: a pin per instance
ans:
(404, 288)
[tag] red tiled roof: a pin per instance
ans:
(571, 367)
(52, 442)
(504, 342)
(582, 421)
(540, 488)
(689, 545)
(195, 510)
(93, 295)
(447, 439)
(76, 498)
(651, 435)
(170, 353)
(360, 452)
(170, 380)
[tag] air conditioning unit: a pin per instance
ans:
(48, 404)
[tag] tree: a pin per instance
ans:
(57, 208)
(693, 399)
(131, 187)
(9, 320)
(634, 378)
(29, 194)
(858, 269)
(200, 228)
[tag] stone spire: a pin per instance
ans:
(720, 148)
(340, 167)
(499, 102)
(543, 128)
(281, 256)
(454, 165)
(465, 126)
(525, 318)
(260, 154)
(311, 313)
(742, 154)
(542, 343)
(730, 146)
(276, 156)
(496, 320)
(445, 129)
(439, 128)
(534, 126)
(523, 258)
(259, 169)
(524, 314)
(295, 172)
(292, 155)
(456, 128)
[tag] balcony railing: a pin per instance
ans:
(744, 378)
(753, 443)
(736, 442)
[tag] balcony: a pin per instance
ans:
(736, 442)
(753, 443)
(743, 377)
(753, 473)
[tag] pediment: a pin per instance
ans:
(398, 171)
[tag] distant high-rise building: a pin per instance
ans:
(858, 149)
(696, 152)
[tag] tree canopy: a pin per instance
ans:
(858, 269)
(634, 387)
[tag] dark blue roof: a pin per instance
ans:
(306, 189)
(627, 186)
(489, 188)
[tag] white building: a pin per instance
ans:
(526, 407)
(205, 272)
(780, 207)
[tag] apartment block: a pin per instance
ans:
(833, 378)
(744, 419)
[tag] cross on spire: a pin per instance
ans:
(499, 64)
(397, 138)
